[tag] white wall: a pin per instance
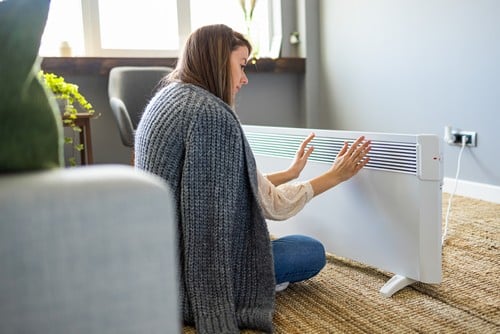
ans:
(415, 66)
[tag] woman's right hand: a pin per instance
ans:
(298, 164)
(300, 160)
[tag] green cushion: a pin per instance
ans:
(30, 123)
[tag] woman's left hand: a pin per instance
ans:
(350, 160)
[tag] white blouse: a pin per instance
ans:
(283, 201)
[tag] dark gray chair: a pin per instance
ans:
(130, 88)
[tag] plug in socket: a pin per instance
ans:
(454, 136)
(457, 137)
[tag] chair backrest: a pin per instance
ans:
(130, 88)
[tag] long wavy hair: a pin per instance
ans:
(205, 61)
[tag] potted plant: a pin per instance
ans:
(70, 100)
(248, 7)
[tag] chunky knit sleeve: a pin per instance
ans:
(214, 164)
(283, 201)
(195, 142)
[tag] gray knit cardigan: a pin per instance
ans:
(195, 142)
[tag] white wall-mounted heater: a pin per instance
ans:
(388, 216)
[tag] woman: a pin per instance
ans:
(190, 136)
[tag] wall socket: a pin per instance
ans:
(454, 136)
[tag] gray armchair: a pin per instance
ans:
(87, 250)
(130, 88)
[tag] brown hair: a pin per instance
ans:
(205, 61)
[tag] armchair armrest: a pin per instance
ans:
(87, 250)
(125, 126)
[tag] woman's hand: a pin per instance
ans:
(348, 163)
(301, 156)
(350, 160)
(298, 164)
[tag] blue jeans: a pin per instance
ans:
(297, 258)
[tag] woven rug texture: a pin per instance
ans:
(345, 298)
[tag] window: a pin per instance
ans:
(209, 12)
(147, 28)
(64, 24)
(140, 27)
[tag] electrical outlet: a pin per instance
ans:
(455, 136)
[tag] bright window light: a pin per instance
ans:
(64, 24)
(140, 25)
(133, 28)
(229, 12)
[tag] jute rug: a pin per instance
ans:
(345, 298)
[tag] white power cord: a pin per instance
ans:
(464, 142)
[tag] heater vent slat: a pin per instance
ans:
(384, 155)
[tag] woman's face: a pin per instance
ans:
(238, 60)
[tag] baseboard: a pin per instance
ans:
(476, 190)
